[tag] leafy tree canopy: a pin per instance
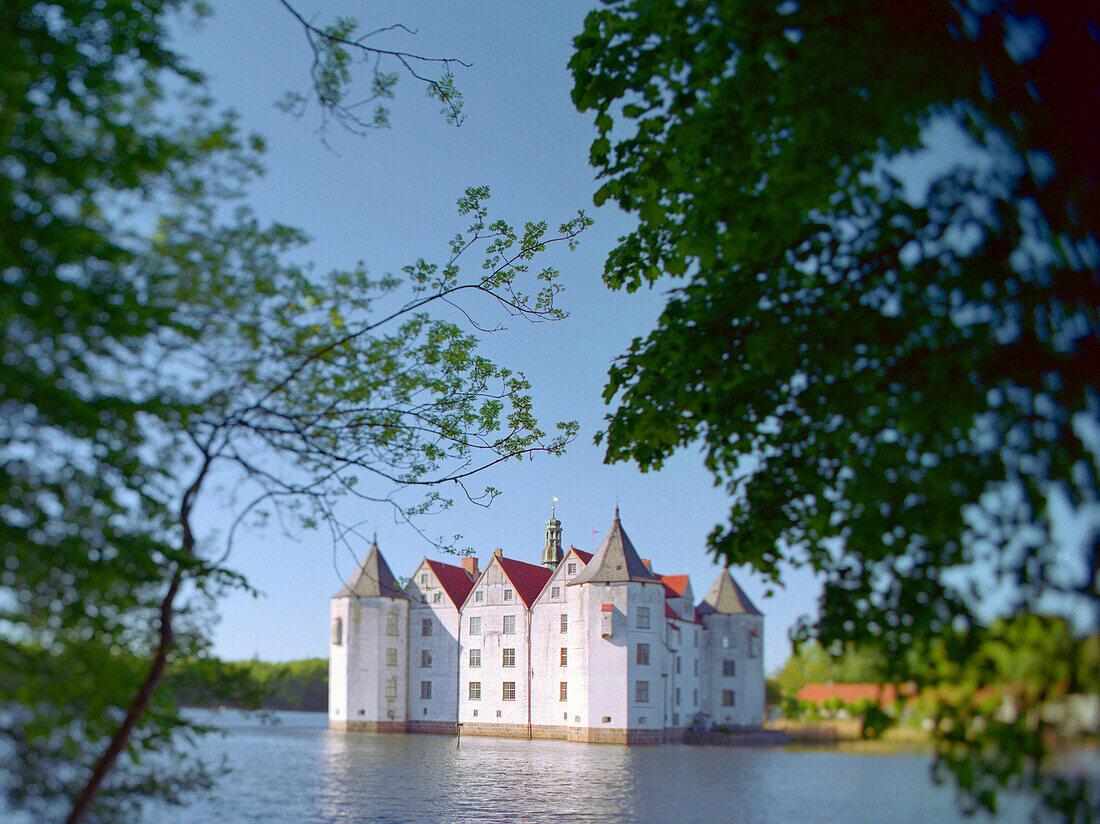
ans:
(880, 219)
(157, 335)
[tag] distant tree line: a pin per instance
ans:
(293, 685)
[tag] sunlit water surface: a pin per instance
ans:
(297, 770)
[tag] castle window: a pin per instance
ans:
(562, 691)
(425, 657)
(475, 625)
(509, 625)
(728, 698)
(555, 592)
(507, 595)
(695, 667)
(391, 688)
(564, 623)
(437, 597)
(571, 569)
(677, 664)
(509, 658)
(677, 696)
(479, 596)
(509, 692)
(564, 656)
(425, 690)
(725, 643)
(695, 698)
(391, 656)
(391, 624)
(426, 627)
(475, 658)
(338, 631)
(696, 639)
(675, 719)
(729, 668)
(643, 618)
(641, 656)
(475, 692)
(641, 692)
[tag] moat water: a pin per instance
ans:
(297, 771)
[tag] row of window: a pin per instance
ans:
(508, 692)
(641, 658)
(509, 623)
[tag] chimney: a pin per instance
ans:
(648, 565)
(498, 552)
(469, 564)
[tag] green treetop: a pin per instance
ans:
(880, 219)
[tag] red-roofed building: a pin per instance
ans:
(852, 693)
(585, 646)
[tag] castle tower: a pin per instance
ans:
(732, 683)
(620, 605)
(368, 652)
(552, 552)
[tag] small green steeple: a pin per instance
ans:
(552, 553)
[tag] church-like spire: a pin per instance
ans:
(552, 552)
(616, 560)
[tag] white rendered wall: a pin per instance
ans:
(730, 637)
(492, 708)
(648, 714)
(359, 674)
(442, 644)
(547, 642)
(338, 661)
(683, 699)
(605, 660)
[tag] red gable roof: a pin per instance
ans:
(584, 556)
(454, 580)
(675, 585)
(528, 579)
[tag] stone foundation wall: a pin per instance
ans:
(369, 726)
(585, 735)
(603, 735)
(432, 727)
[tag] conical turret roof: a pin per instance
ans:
(372, 579)
(615, 561)
(727, 598)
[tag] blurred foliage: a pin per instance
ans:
(158, 338)
(810, 663)
(878, 224)
(293, 685)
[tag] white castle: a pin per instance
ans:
(583, 647)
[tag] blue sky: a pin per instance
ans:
(388, 199)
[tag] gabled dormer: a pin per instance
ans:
(571, 564)
(437, 583)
